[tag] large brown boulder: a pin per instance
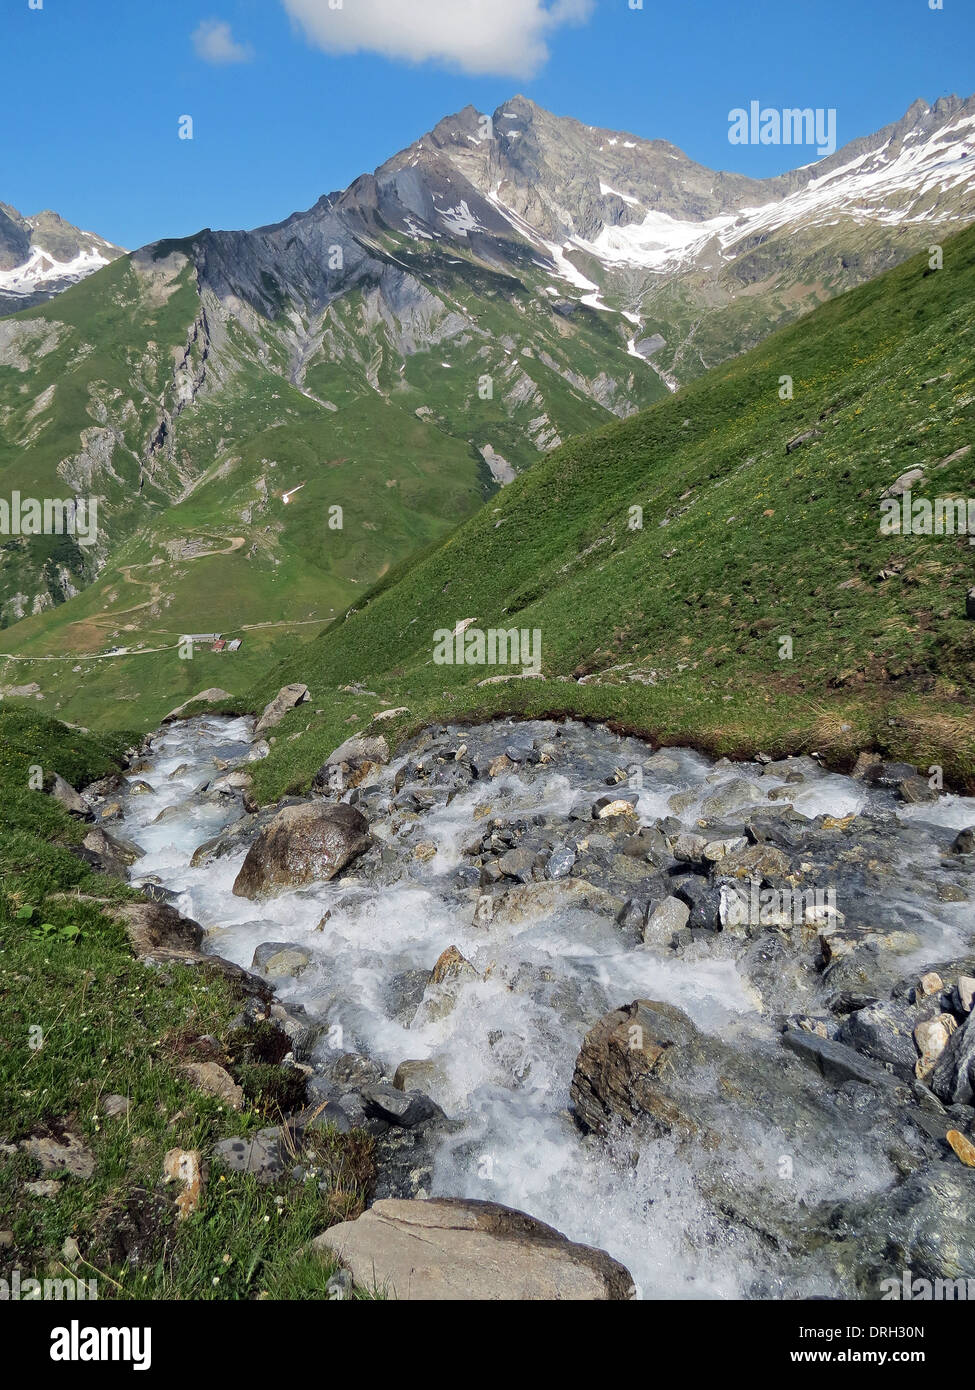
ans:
(452, 1248)
(302, 844)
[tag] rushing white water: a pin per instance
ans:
(505, 1053)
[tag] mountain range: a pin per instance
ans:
(399, 351)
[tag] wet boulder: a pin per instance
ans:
(560, 862)
(649, 844)
(310, 843)
(229, 841)
(107, 854)
(734, 796)
(416, 1072)
(890, 775)
(535, 901)
(964, 842)
(924, 1226)
(915, 791)
(762, 863)
(664, 920)
(703, 898)
(886, 1033)
(622, 1071)
(280, 959)
(618, 804)
(835, 1061)
(647, 1066)
(391, 1105)
(518, 864)
(448, 977)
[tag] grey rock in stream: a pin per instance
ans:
(280, 959)
(107, 854)
(953, 1079)
(302, 844)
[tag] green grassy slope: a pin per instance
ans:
(677, 627)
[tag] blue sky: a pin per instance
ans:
(93, 89)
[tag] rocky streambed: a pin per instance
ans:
(713, 1019)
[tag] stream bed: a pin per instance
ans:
(787, 1181)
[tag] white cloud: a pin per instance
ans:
(504, 37)
(214, 43)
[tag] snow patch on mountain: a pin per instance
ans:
(657, 243)
(41, 269)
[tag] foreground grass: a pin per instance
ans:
(81, 1020)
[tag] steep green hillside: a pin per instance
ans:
(678, 628)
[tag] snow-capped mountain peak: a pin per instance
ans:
(42, 255)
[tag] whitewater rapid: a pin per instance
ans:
(504, 1055)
